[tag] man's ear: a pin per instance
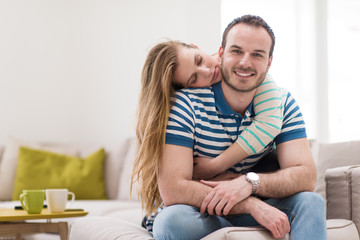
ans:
(269, 64)
(220, 54)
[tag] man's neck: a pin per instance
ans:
(238, 101)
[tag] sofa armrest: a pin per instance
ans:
(343, 193)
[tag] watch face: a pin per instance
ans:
(253, 176)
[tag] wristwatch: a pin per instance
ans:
(254, 179)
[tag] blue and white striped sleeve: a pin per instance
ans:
(293, 126)
(181, 125)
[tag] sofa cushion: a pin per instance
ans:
(41, 169)
(107, 228)
(336, 229)
(233, 233)
(125, 176)
(341, 229)
(9, 162)
(114, 165)
(111, 208)
(335, 155)
(1, 153)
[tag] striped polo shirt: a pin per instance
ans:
(201, 119)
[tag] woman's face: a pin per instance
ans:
(196, 68)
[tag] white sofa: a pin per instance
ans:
(120, 216)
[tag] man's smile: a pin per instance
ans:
(243, 74)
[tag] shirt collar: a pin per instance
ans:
(223, 106)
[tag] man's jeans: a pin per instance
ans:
(305, 210)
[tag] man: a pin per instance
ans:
(202, 117)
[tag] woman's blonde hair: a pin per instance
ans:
(157, 87)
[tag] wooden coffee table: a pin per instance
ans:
(12, 222)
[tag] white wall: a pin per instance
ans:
(70, 69)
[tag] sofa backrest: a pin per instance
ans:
(125, 174)
(118, 164)
(332, 155)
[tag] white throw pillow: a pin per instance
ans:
(9, 160)
(125, 176)
(335, 155)
(115, 157)
(1, 153)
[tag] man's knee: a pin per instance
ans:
(311, 199)
(310, 205)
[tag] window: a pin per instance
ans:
(344, 79)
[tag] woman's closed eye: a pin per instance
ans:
(199, 60)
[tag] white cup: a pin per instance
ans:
(57, 199)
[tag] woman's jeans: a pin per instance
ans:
(305, 210)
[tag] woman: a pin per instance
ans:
(171, 66)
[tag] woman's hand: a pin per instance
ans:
(226, 176)
(205, 168)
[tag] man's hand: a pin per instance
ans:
(224, 195)
(271, 218)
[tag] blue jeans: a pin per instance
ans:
(305, 210)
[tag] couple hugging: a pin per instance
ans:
(207, 130)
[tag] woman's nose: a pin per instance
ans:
(205, 71)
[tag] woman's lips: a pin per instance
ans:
(216, 73)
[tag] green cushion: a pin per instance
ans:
(39, 169)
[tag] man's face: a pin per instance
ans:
(245, 59)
